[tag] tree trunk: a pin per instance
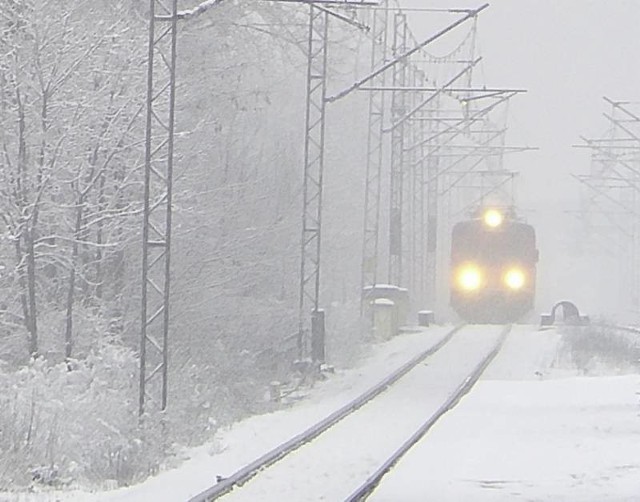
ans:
(68, 334)
(32, 320)
(22, 282)
(27, 234)
(99, 278)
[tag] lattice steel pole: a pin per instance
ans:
(398, 110)
(312, 187)
(409, 230)
(417, 227)
(613, 184)
(635, 255)
(156, 232)
(375, 142)
(432, 217)
(422, 220)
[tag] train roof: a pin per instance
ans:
(478, 223)
(508, 212)
(493, 220)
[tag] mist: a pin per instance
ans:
(568, 55)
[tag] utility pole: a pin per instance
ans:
(404, 196)
(398, 110)
(375, 151)
(313, 184)
(314, 143)
(433, 175)
(158, 185)
(314, 150)
(610, 201)
(158, 189)
(414, 278)
(423, 211)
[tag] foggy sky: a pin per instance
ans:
(567, 54)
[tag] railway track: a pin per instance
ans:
(380, 420)
(366, 488)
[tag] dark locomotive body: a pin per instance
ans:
(493, 270)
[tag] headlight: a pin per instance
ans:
(514, 279)
(469, 278)
(493, 218)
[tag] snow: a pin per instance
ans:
(245, 441)
(201, 8)
(530, 430)
(573, 439)
(374, 432)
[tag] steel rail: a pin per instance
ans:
(247, 472)
(373, 481)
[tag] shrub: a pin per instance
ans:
(75, 422)
(602, 348)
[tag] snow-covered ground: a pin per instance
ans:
(575, 439)
(333, 466)
(531, 432)
(528, 431)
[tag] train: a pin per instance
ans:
(493, 267)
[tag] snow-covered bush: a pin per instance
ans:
(601, 349)
(75, 422)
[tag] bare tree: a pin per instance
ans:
(68, 116)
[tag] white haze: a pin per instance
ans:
(568, 54)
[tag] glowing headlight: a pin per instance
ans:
(493, 218)
(469, 278)
(514, 279)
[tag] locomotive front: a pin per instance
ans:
(493, 268)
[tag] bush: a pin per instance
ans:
(602, 348)
(75, 423)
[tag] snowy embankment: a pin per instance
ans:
(573, 439)
(238, 445)
(335, 464)
(530, 430)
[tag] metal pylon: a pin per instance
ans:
(432, 216)
(610, 202)
(156, 232)
(409, 220)
(635, 256)
(375, 139)
(398, 110)
(416, 236)
(312, 188)
(423, 298)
